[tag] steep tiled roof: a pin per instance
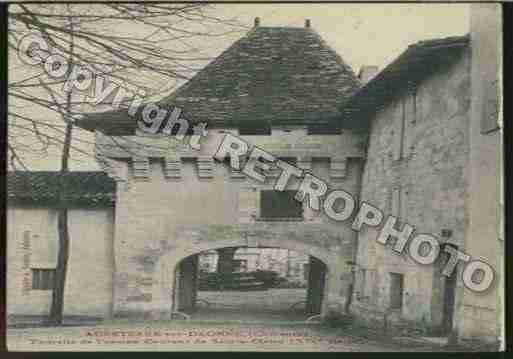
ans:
(273, 74)
(415, 64)
(43, 188)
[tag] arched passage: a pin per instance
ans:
(295, 302)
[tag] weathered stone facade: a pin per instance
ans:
(433, 160)
(481, 315)
(153, 234)
(417, 159)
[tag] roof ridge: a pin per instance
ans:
(239, 46)
(54, 171)
(401, 72)
(269, 74)
(442, 40)
(282, 27)
(44, 187)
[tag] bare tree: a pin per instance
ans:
(162, 43)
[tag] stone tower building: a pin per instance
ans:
(173, 202)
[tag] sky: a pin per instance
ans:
(362, 34)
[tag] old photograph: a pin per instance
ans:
(255, 177)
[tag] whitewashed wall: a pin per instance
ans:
(32, 242)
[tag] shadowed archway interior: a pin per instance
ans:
(256, 288)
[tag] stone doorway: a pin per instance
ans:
(448, 303)
(316, 282)
(444, 295)
(449, 297)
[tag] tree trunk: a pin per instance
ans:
(57, 308)
(225, 259)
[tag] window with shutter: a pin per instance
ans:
(42, 278)
(276, 205)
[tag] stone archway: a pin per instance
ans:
(324, 273)
(146, 287)
(182, 251)
(295, 303)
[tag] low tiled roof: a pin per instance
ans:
(414, 65)
(271, 75)
(43, 188)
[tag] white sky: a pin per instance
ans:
(362, 34)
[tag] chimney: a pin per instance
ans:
(307, 23)
(257, 21)
(367, 73)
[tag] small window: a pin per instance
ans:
(42, 279)
(324, 129)
(396, 290)
(262, 130)
(276, 205)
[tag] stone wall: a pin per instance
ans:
(480, 315)
(445, 179)
(416, 169)
(33, 243)
(162, 219)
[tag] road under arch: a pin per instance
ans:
(276, 304)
